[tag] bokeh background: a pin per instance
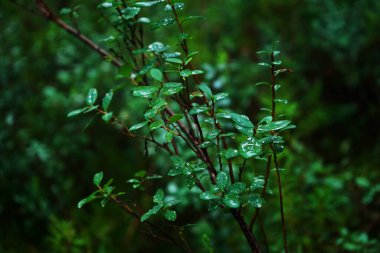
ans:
(332, 186)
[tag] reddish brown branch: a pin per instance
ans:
(47, 13)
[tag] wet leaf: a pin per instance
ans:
(107, 100)
(76, 112)
(220, 96)
(170, 215)
(175, 118)
(232, 200)
(222, 180)
(237, 188)
(145, 91)
(250, 148)
(213, 134)
(107, 117)
(88, 199)
(229, 153)
(157, 124)
(138, 126)
(174, 60)
(275, 125)
(185, 73)
(156, 74)
(172, 88)
(208, 196)
(198, 109)
(147, 3)
(98, 178)
(158, 196)
(91, 96)
(206, 90)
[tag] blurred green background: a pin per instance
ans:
(332, 186)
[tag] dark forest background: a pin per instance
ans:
(332, 186)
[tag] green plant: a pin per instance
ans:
(221, 156)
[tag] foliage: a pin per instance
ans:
(330, 186)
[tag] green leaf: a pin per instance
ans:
(157, 124)
(163, 22)
(156, 74)
(76, 112)
(237, 188)
(255, 200)
(147, 67)
(130, 12)
(104, 202)
(138, 126)
(241, 120)
(147, 3)
(174, 60)
(208, 196)
(229, 153)
(169, 136)
(188, 60)
(266, 120)
(206, 90)
(145, 91)
(175, 171)
(232, 200)
(158, 104)
(172, 88)
(244, 130)
(133, 181)
(232, 135)
(88, 199)
(154, 176)
(151, 113)
(157, 47)
(175, 118)
(222, 180)
(284, 101)
(152, 211)
(220, 96)
(257, 183)
(197, 72)
(171, 55)
(191, 54)
(140, 173)
(65, 11)
(185, 73)
(171, 203)
(213, 134)
(177, 161)
(263, 83)
(250, 148)
(139, 51)
(190, 182)
(108, 183)
(188, 18)
(198, 109)
(276, 125)
(91, 108)
(107, 117)
(98, 178)
(170, 215)
(158, 197)
(177, 6)
(206, 144)
(91, 96)
(107, 100)
(265, 64)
